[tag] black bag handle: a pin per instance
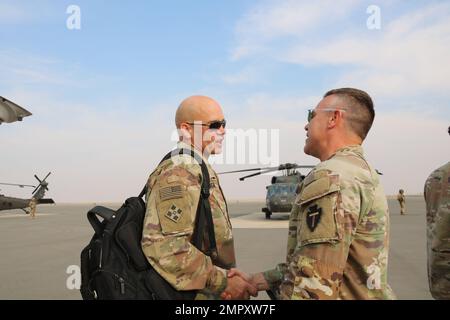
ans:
(106, 213)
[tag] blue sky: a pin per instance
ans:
(115, 83)
(144, 48)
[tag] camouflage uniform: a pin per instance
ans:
(32, 205)
(172, 199)
(338, 234)
(401, 201)
(437, 198)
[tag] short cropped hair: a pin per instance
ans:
(361, 112)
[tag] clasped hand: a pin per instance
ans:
(241, 286)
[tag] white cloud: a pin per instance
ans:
(408, 55)
(273, 19)
(18, 68)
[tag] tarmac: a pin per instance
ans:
(40, 257)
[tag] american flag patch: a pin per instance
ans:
(170, 192)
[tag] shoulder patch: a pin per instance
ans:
(319, 188)
(313, 216)
(175, 216)
(174, 213)
(314, 175)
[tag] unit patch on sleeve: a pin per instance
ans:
(174, 213)
(313, 217)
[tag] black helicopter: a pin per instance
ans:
(12, 112)
(281, 192)
(9, 203)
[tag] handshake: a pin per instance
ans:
(240, 286)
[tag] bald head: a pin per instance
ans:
(198, 108)
(192, 119)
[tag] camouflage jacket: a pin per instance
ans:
(172, 200)
(437, 198)
(338, 234)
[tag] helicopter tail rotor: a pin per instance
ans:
(41, 188)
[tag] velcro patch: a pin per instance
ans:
(172, 179)
(174, 213)
(172, 192)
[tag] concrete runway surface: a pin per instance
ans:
(40, 257)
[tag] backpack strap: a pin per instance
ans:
(203, 216)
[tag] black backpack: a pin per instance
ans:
(113, 265)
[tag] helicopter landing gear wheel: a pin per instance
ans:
(267, 212)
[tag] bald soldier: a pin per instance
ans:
(172, 200)
(437, 198)
(339, 225)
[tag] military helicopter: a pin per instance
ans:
(11, 112)
(281, 192)
(8, 203)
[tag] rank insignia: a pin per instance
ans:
(313, 217)
(174, 213)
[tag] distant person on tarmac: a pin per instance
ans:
(32, 205)
(401, 201)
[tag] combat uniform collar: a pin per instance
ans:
(183, 145)
(354, 149)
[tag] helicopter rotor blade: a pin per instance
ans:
(297, 166)
(18, 185)
(256, 174)
(42, 182)
(34, 191)
(286, 166)
(253, 169)
(243, 170)
(46, 176)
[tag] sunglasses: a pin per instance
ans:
(213, 124)
(312, 113)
